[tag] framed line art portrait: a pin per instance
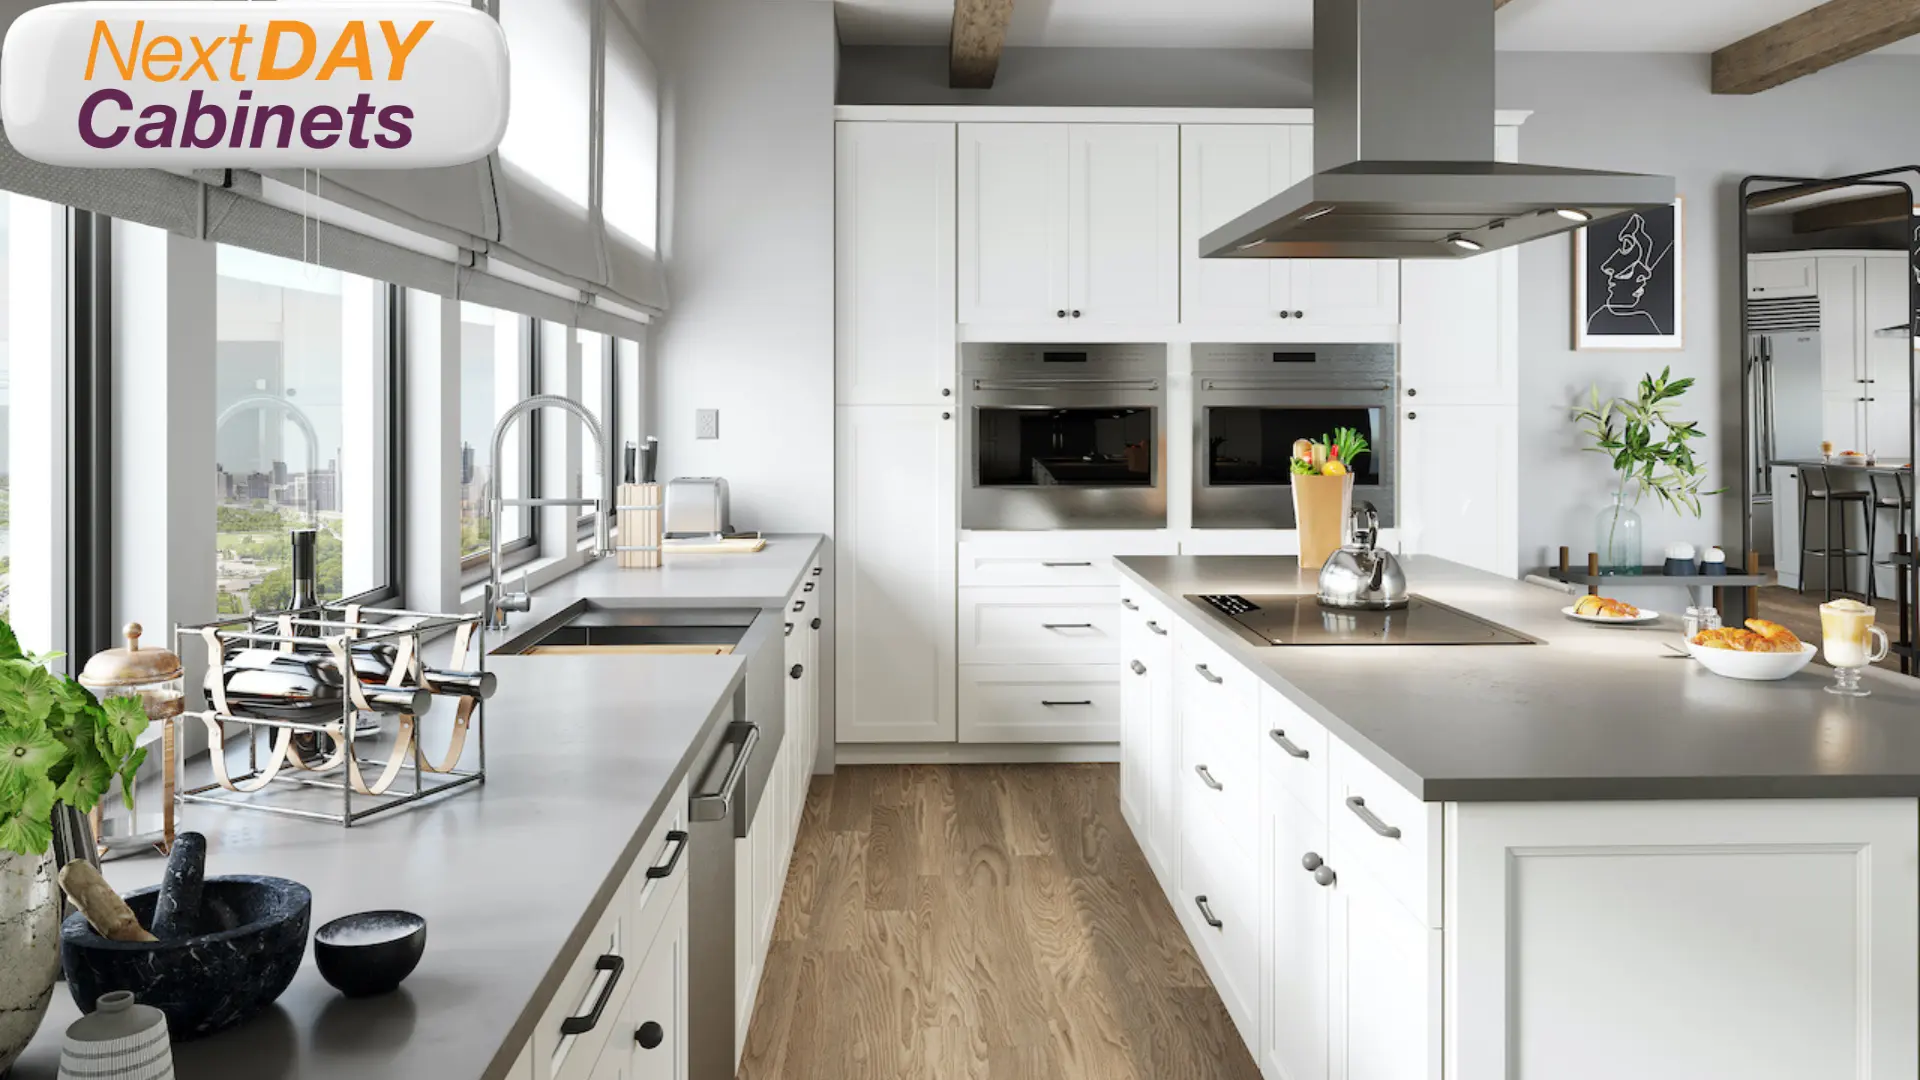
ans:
(1629, 281)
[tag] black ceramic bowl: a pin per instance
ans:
(371, 952)
(208, 981)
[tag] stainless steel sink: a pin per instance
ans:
(587, 625)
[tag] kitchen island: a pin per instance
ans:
(1582, 857)
(589, 760)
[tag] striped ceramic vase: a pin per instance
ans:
(120, 1041)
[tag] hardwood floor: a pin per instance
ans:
(983, 921)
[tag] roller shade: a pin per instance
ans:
(429, 228)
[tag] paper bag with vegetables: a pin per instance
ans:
(1323, 491)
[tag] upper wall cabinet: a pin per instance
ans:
(1228, 169)
(894, 263)
(1068, 223)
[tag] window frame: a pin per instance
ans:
(525, 548)
(609, 423)
(90, 625)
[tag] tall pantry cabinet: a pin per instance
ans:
(895, 433)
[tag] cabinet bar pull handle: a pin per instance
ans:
(1062, 704)
(1208, 675)
(1206, 912)
(678, 838)
(1207, 778)
(1292, 749)
(1156, 628)
(1138, 667)
(1128, 604)
(1066, 626)
(1359, 807)
(1058, 565)
(580, 1025)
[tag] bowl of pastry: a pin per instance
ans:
(1761, 651)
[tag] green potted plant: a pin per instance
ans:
(59, 746)
(1652, 453)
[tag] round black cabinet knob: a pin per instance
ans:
(1299, 314)
(946, 416)
(1411, 392)
(947, 392)
(816, 624)
(1076, 314)
(650, 1035)
(1286, 314)
(1061, 314)
(1413, 416)
(796, 672)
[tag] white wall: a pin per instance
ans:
(748, 238)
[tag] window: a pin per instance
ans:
(303, 429)
(550, 130)
(630, 393)
(33, 416)
(495, 372)
(632, 142)
(593, 393)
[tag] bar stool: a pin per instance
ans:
(1816, 485)
(1900, 501)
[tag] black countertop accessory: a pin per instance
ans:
(206, 982)
(176, 913)
(370, 952)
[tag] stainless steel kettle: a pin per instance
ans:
(1360, 575)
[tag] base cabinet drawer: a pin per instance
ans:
(583, 1013)
(1046, 703)
(1374, 821)
(649, 1040)
(993, 568)
(1039, 626)
(1219, 902)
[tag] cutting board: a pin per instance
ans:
(706, 546)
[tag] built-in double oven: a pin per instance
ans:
(1251, 402)
(1063, 436)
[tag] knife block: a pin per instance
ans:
(639, 521)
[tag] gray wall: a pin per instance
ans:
(1190, 78)
(1654, 113)
(1642, 112)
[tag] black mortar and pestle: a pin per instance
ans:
(221, 950)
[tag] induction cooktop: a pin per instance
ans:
(1301, 620)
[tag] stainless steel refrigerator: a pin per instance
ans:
(1783, 384)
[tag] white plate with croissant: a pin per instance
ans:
(1600, 609)
(1761, 651)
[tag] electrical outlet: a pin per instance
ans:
(706, 423)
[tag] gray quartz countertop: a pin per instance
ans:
(1593, 712)
(583, 754)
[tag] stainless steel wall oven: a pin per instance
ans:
(1250, 402)
(1063, 436)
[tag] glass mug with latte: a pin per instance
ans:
(1849, 642)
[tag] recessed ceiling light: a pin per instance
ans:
(1571, 214)
(1322, 212)
(1463, 243)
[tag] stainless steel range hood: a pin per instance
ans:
(1403, 144)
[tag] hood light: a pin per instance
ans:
(1249, 245)
(1322, 212)
(1463, 243)
(1573, 215)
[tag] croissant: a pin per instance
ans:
(1605, 608)
(1779, 637)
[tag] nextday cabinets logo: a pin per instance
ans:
(284, 84)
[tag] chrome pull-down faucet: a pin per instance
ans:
(498, 601)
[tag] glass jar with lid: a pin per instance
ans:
(157, 679)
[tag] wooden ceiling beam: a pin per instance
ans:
(979, 33)
(1811, 41)
(1894, 205)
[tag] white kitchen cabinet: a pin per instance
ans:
(1384, 984)
(1124, 223)
(1039, 703)
(1136, 761)
(1077, 625)
(1863, 378)
(1760, 939)
(894, 576)
(1227, 170)
(1148, 746)
(649, 1039)
(1781, 277)
(1887, 359)
(1014, 223)
(1294, 974)
(894, 263)
(1459, 484)
(1068, 223)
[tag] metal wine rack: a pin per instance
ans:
(279, 778)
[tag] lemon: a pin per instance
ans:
(1333, 468)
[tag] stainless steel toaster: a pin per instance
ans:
(698, 506)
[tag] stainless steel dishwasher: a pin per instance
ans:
(737, 763)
